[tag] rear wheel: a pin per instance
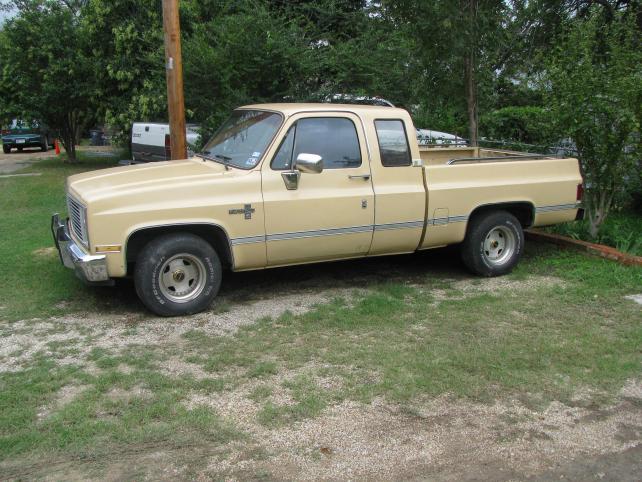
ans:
(6, 149)
(493, 244)
(177, 274)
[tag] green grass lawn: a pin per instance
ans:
(36, 283)
(419, 326)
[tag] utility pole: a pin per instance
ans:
(174, 73)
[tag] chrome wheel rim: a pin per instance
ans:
(182, 278)
(499, 245)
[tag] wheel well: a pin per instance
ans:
(523, 211)
(213, 234)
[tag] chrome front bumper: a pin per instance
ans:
(89, 268)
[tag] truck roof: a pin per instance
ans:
(296, 107)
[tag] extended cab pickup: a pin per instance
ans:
(284, 184)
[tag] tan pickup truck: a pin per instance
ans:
(284, 184)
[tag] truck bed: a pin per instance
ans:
(467, 154)
(460, 180)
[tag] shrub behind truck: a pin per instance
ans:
(286, 184)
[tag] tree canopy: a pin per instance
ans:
(531, 71)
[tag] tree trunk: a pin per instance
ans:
(68, 138)
(599, 206)
(470, 81)
(471, 98)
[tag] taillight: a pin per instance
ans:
(168, 147)
(580, 192)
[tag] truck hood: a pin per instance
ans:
(155, 176)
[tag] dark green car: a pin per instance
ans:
(24, 134)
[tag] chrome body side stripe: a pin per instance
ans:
(404, 225)
(447, 220)
(378, 227)
(557, 207)
(319, 232)
(326, 232)
(248, 240)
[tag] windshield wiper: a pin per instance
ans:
(216, 158)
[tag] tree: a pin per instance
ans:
(242, 55)
(46, 72)
(594, 83)
(126, 38)
(459, 44)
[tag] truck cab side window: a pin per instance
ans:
(393, 143)
(333, 138)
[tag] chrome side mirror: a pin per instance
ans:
(308, 163)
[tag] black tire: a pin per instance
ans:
(191, 254)
(494, 243)
(44, 146)
(6, 149)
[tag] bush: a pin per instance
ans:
(622, 231)
(528, 125)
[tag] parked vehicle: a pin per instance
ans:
(22, 134)
(151, 141)
(426, 137)
(357, 100)
(284, 184)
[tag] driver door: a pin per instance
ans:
(329, 215)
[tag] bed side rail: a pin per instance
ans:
(473, 160)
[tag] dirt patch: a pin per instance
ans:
(240, 405)
(45, 252)
(383, 441)
(499, 286)
(20, 341)
(175, 367)
(632, 390)
(65, 395)
(122, 395)
(636, 298)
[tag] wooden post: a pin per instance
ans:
(174, 72)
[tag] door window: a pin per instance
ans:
(283, 158)
(393, 143)
(333, 138)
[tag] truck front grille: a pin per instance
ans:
(77, 219)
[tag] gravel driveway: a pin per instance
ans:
(10, 163)
(15, 161)
(441, 438)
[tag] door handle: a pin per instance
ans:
(365, 177)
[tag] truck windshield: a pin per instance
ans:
(243, 138)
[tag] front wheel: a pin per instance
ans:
(6, 149)
(177, 274)
(493, 244)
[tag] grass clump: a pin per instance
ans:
(621, 230)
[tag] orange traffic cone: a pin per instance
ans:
(57, 147)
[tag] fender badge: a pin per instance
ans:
(246, 211)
